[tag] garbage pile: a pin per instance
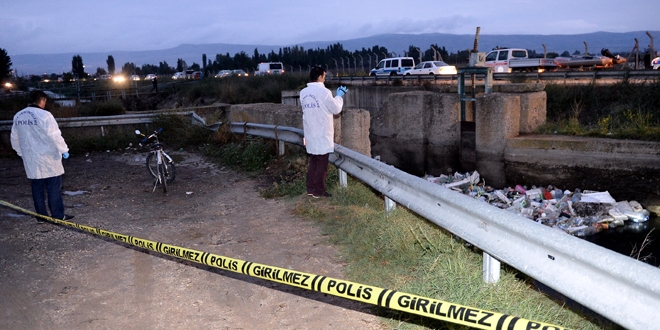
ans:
(579, 213)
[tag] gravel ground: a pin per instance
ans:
(53, 277)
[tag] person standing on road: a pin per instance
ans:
(38, 141)
(154, 84)
(319, 106)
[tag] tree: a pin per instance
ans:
(77, 67)
(181, 65)
(128, 68)
(204, 61)
(5, 65)
(100, 72)
(111, 64)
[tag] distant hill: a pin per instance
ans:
(398, 43)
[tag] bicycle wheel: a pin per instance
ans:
(152, 166)
(162, 177)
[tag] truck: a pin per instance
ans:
(516, 60)
(269, 68)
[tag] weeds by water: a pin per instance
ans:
(623, 110)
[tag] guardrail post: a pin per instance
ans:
(491, 269)
(343, 179)
(280, 148)
(390, 205)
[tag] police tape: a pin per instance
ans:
(392, 299)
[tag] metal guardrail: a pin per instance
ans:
(545, 76)
(617, 287)
(127, 119)
(620, 288)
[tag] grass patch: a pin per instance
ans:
(251, 154)
(623, 110)
(405, 252)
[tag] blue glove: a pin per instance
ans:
(341, 91)
(65, 155)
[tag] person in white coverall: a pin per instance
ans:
(38, 141)
(318, 106)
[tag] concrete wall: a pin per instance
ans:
(629, 170)
(418, 132)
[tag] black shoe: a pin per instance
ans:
(326, 194)
(39, 220)
(68, 217)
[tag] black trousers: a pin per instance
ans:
(316, 174)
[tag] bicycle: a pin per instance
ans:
(159, 163)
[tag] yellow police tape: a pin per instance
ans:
(401, 301)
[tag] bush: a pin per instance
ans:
(105, 108)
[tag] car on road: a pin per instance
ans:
(150, 76)
(179, 75)
(656, 63)
(239, 73)
(431, 68)
(105, 77)
(135, 77)
(392, 66)
(223, 73)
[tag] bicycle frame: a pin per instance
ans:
(164, 170)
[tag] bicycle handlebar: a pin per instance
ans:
(147, 138)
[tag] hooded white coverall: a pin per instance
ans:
(318, 107)
(38, 140)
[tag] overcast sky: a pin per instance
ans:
(82, 26)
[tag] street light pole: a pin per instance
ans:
(420, 54)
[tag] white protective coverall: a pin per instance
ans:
(38, 140)
(318, 107)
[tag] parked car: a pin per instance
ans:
(179, 75)
(240, 73)
(150, 76)
(431, 68)
(392, 66)
(269, 68)
(197, 75)
(223, 73)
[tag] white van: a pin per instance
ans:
(269, 68)
(392, 66)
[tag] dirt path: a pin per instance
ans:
(53, 277)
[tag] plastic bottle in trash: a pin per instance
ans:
(577, 195)
(587, 231)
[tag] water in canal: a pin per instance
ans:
(628, 240)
